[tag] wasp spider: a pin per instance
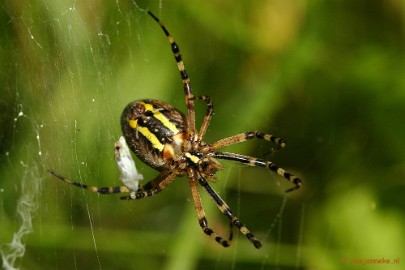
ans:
(167, 140)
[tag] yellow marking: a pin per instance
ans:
(194, 159)
(160, 116)
(92, 189)
(180, 66)
(166, 122)
(148, 107)
(267, 137)
(151, 137)
(280, 171)
(133, 123)
(244, 230)
(223, 208)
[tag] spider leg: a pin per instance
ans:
(243, 137)
(183, 74)
(207, 116)
(101, 190)
(202, 220)
(154, 186)
(224, 208)
(151, 188)
(255, 162)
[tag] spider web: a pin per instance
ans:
(68, 68)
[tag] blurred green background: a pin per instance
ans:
(328, 76)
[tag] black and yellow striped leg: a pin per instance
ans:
(202, 220)
(255, 162)
(228, 213)
(101, 190)
(207, 116)
(183, 74)
(153, 187)
(242, 137)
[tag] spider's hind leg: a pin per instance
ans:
(183, 74)
(154, 186)
(101, 190)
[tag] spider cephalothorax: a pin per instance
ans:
(167, 140)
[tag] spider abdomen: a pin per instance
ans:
(154, 130)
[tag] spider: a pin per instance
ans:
(167, 140)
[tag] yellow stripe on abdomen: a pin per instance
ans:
(166, 122)
(161, 117)
(150, 137)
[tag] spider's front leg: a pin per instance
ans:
(234, 221)
(249, 135)
(207, 117)
(256, 162)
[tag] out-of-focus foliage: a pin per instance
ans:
(328, 76)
